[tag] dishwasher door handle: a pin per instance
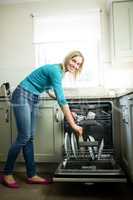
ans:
(130, 98)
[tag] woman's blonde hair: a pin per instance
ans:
(71, 55)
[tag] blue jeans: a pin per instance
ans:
(25, 106)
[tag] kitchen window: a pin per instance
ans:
(55, 36)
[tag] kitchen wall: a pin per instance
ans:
(16, 33)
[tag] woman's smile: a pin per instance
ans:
(74, 64)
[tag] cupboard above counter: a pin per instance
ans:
(121, 15)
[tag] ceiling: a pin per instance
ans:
(16, 1)
(21, 1)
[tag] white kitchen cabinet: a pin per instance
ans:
(49, 132)
(126, 108)
(122, 31)
(5, 129)
(49, 136)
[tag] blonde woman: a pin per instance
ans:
(24, 101)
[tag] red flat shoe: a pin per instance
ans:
(44, 182)
(13, 185)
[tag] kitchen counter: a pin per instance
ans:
(125, 93)
(89, 93)
(93, 93)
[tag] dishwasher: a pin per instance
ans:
(92, 156)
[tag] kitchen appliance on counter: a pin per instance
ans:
(5, 90)
(91, 157)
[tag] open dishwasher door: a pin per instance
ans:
(92, 157)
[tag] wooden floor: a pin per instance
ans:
(63, 191)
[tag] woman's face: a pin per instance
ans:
(74, 64)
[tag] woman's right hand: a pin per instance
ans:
(74, 115)
(71, 121)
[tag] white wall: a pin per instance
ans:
(16, 48)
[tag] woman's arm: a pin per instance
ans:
(70, 119)
(51, 94)
(55, 76)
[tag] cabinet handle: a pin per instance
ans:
(7, 116)
(57, 118)
(125, 122)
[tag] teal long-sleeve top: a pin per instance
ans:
(44, 78)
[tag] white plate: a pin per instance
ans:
(67, 144)
(90, 149)
(74, 145)
(100, 149)
(92, 139)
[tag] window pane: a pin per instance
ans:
(62, 28)
(54, 38)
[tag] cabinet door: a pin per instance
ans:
(49, 132)
(123, 30)
(124, 133)
(48, 143)
(127, 133)
(5, 131)
(130, 142)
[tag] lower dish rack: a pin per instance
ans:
(85, 170)
(88, 162)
